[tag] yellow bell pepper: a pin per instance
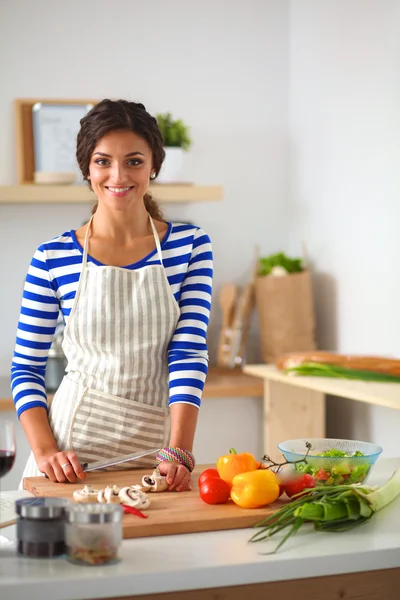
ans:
(255, 488)
(233, 463)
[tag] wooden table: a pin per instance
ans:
(294, 406)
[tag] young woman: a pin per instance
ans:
(135, 294)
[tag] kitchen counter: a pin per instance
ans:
(363, 564)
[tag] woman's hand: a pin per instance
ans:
(178, 476)
(60, 466)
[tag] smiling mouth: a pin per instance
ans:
(119, 190)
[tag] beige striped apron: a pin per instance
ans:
(114, 397)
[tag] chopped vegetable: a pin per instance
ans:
(233, 463)
(334, 508)
(315, 369)
(341, 473)
(92, 556)
(255, 488)
(133, 511)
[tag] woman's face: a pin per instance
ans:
(120, 169)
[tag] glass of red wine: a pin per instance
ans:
(7, 447)
(7, 458)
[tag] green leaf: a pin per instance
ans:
(174, 133)
(315, 369)
(337, 526)
(322, 511)
(292, 265)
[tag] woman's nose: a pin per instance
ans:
(117, 172)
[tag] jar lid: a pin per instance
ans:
(41, 508)
(94, 513)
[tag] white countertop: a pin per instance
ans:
(204, 560)
(371, 392)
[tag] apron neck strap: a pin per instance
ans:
(156, 238)
(86, 244)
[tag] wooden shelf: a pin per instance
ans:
(229, 383)
(371, 392)
(20, 194)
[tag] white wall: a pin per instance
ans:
(345, 183)
(219, 65)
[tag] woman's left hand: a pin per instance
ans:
(178, 476)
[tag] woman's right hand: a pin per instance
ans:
(60, 466)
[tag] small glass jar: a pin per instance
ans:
(40, 527)
(93, 533)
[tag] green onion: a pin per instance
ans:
(315, 369)
(330, 508)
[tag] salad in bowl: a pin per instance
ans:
(331, 461)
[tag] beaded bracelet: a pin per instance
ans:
(177, 455)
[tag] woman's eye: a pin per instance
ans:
(101, 161)
(134, 162)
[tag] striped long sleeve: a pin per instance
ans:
(188, 354)
(51, 285)
(36, 327)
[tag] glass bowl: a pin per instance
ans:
(332, 470)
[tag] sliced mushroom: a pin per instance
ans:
(110, 495)
(139, 488)
(87, 494)
(155, 483)
(135, 498)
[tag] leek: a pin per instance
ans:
(315, 369)
(330, 508)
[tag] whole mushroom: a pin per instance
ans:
(155, 482)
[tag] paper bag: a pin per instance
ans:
(286, 314)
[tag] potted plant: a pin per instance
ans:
(176, 141)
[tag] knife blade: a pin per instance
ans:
(117, 460)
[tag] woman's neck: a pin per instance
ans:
(118, 225)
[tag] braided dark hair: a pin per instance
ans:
(111, 115)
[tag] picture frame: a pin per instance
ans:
(24, 131)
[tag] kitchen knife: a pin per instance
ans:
(117, 460)
(109, 462)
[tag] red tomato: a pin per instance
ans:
(215, 490)
(207, 474)
(298, 484)
(322, 475)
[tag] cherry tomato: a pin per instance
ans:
(207, 474)
(297, 485)
(215, 491)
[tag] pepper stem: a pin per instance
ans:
(232, 451)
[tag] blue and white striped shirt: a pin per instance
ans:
(51, 285)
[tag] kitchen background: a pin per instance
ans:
(293, 107)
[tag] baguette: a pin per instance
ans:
(377, 364)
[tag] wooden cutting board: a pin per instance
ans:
(169, 512)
